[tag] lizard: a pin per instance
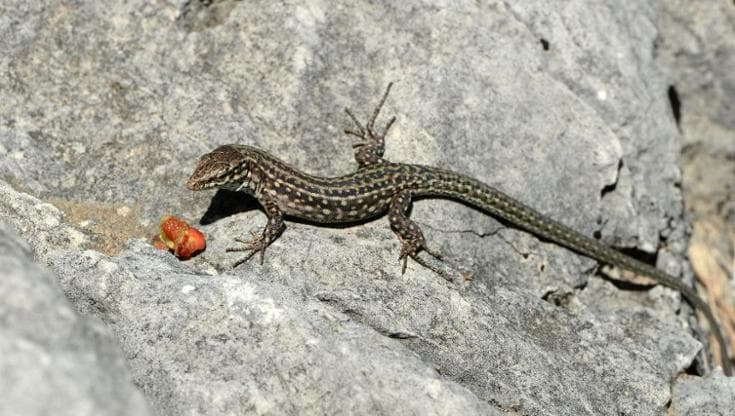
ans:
(380, 187)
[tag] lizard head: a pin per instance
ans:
(223, 167)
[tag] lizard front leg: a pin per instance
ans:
(369, 150)
(272, 230)
(408, 232)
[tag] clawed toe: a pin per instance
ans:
(255, 245)
(371, 144)
(411, 249)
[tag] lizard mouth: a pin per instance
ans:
(195, 183)
(204, 175)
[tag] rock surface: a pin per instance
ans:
(695, 396)
(106, 107)
(54, 361)
(699, 47)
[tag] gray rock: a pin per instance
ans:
(283, 337)
(698, 45)
(703, 396)
(54, 361)
(566, 111)
(228, 344)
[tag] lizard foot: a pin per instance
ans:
(371, 146)
(257, 244)
(411, 248)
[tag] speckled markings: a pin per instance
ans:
(379, 187)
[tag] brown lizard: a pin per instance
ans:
(379, 187)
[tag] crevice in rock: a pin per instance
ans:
(640, 255)
(469, 231)
(637, 286)
(544, 44)
(612, 186)
(675, 104)
(558, 298)
(624, 285)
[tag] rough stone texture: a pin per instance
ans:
(54, 361)
(106, 107)
(709, 396)
(699, 47)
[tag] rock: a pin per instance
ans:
(108, 106)
(712, 395)
(54, 361)
(698, 47)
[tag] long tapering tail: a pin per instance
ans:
(452, 185)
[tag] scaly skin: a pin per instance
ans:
(379, 187)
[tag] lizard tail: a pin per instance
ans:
(452, 185)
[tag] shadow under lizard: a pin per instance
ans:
(379, 187)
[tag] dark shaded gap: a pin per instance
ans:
(675, 103)
(611, 187)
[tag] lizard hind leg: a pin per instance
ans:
(369, 149)
(408, 232)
